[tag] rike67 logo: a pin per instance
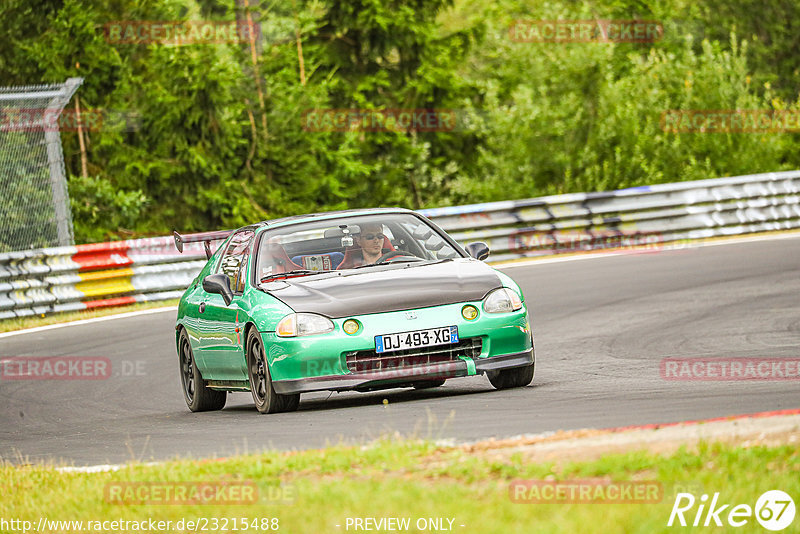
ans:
(774, 510)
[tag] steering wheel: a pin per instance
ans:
(391, 255)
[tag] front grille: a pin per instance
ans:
(369, 361)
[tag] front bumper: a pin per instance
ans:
(398, 377)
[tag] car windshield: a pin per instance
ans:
(349, 243)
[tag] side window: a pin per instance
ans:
(234, 261)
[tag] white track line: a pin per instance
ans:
(89, 321)
(104, 468)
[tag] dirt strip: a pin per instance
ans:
(584, 445)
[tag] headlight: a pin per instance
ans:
(303, 324)
(502, 300)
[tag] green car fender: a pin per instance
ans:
(263, 310)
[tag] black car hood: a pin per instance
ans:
(392, 287)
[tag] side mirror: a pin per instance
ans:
(219, 284)
(478, 250)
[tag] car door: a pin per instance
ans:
(223, 335)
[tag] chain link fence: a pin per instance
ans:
(34, 203)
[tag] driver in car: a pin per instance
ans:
(370, 241)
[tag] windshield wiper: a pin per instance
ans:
(407, 259)
(402, 260)
(295, 272)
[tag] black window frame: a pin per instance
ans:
(246, 254)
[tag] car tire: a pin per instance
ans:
(198, 397)
(428, 384)
(511, 378)
(264, 395)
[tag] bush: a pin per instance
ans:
(100, 212)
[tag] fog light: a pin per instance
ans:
(351, 326)
(469, 312)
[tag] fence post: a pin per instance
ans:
(55, 160)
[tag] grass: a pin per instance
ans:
(412, 479)
(21, 323)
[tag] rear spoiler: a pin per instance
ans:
(205, 237)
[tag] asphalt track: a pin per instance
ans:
(601, 326)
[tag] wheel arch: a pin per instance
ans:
(248, 326)
(179, 328)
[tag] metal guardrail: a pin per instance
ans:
(110, 274)
(648, 216)
(81, 277)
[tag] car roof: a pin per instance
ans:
(297, 219)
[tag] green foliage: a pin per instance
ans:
(98, 206)
(771, 28)
(585, 117)
(29, 219)
(220, 141)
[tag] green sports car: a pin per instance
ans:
(349, 300)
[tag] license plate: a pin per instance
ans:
(418, 338)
